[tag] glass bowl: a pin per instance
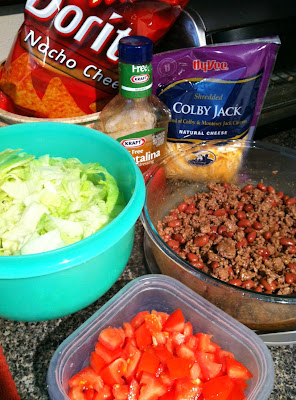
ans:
(186, 172)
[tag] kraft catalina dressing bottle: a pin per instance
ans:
(135, 117)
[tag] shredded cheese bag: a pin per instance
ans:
(215, 94)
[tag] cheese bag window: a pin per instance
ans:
(64, 59)
(215, 94)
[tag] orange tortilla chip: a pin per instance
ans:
(17, 83)
(59, 102)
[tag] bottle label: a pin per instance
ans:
(146, 147)
(135, 80)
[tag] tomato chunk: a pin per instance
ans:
(112, 338)
(143, 337)
(112, 374)
(179, 367)
(139, 319)
(204, 343)
(104, 394)
(87, 378)
(76, 393)
(148, 363)
(152, 388)
(209, 368)
(132, 356)
(153, 323)
(107, 354)
(175, 322)
(120, 392)
(237, 392)
(237, 370)
(218, 388)
(96, 362)
(186, 389)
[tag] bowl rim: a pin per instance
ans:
(28, 266)
(154, 236)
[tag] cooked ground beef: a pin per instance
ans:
(242, 236)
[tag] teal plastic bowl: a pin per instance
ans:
(56, 283)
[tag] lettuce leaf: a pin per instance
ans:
(48, 203)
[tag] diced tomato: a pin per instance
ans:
(188, 330)
(76, 393)
(177, 338)
(107, 355)
(104, 394)
(241, 383)
(153, 323)
(87, 378)
(166, 378)
(218, 388)
(139, 319)
(131, 340)
(113, 373)
(169, 345)
(89, 394)
(120, 392)
(221, 356)
(152, 387)
(170, 395)
(96, 362)
(179, 367)
(237, 392)
(143, 337)
(162, 315)
(129, 350)
(175, 322)
(191, 342)
(185, 352)
(148, 363)
(112, 338)
(132, 355)
(163, 354)
(186, 389)
(209, 368)
(160, 338)
(195, 371)
(237, 370)
(128, 330)
(204, 343)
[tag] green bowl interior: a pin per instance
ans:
(88, 145)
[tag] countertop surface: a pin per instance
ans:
(28, 347)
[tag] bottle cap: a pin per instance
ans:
(135, 50)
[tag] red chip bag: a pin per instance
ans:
(67, 49)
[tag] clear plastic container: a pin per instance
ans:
(163, 293)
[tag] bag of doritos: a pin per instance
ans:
(64, 59)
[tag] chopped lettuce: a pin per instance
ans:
(47, 203)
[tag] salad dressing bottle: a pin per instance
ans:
(135, 117)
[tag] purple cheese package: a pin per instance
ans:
(215, 94)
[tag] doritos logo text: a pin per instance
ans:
(64, 61)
